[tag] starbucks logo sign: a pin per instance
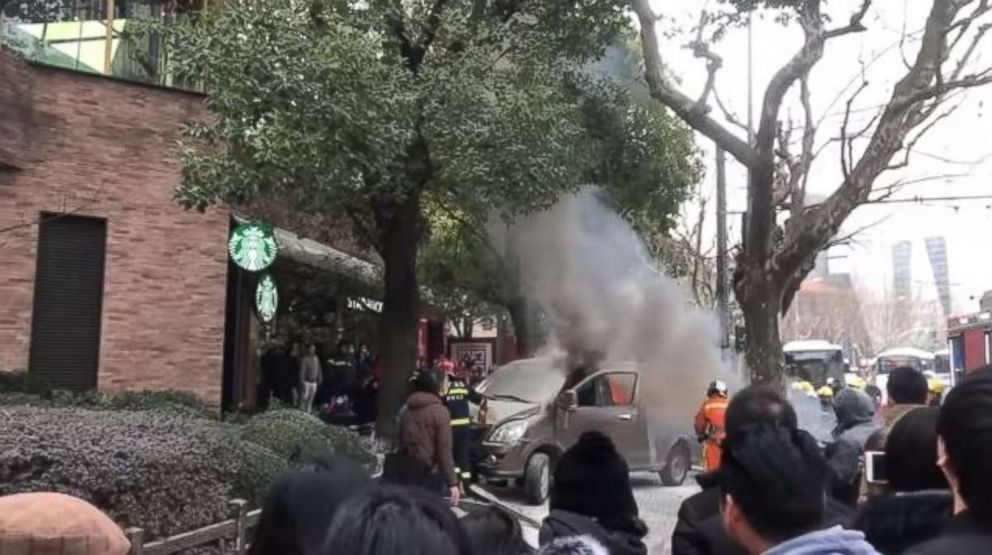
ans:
(253, 247)
(266, 298)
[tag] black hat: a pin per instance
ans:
(592, 479)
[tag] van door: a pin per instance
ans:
(607, 403)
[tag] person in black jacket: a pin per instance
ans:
(591, 496)
(917, 503)
(699, 530)
(965, 456)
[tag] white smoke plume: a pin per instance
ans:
(606, 300)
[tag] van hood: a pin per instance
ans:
(500, 410)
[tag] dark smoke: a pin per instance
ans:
(607, 301)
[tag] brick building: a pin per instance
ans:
(88, 222)
(107, 283)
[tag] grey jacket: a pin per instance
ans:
(832, 541)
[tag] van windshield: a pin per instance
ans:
(529, 382)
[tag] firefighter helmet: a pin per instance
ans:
(717, 387)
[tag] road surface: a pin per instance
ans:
(659, 506)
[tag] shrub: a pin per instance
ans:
(295, 435)
(171, 401)
(19, 382)
(258, 468)
(166, 473)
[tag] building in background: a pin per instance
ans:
(902, 270)
(937, 253)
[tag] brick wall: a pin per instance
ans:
(104, 148)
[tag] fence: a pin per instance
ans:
(234, 529)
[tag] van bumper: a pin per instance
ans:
(497, 460)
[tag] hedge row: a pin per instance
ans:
(155, 459)
(163, 472)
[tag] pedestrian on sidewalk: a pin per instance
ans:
(310, 377)
(423, 457)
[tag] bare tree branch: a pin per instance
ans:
(807, 155)
(912, 143)
(894, 124)
(700, 49)
(845, 162)
(677, 101)
(730, 116)
(854, 25)
(888, 191)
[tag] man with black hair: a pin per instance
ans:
(907, 386)
(774, 483)
(964, 453)
(699, 530)
(907, 389)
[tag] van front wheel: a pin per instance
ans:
(676, 465)
(537, 478)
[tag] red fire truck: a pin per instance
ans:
(969, 340)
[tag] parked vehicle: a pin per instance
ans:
(890, 359)
(529, 418)
(815, 361)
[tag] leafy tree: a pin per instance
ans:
(372, 108)
(784, 232)
(643, 159)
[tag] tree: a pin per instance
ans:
(644, 160)
(776, 256)
(372, 109)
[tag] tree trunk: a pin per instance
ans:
(399, 227)
(761, 301)
(525, 326)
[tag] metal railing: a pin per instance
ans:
(97, 36)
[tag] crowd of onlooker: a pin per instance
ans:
(914, 479)
(342, 384)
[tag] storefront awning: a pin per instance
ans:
(322, 257)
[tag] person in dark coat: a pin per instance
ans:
(917, 503)
(301, 504)
(965, 457)
(591, 496)
(699, 529)
(856, 424)
(424, 455)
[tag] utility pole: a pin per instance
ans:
(722, 293)
(750, 127)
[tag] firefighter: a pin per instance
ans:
(457, 394)
(936, 390)
(710, 423)
(826, 395)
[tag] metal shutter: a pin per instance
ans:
(68, 300)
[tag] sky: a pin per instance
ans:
(955, 157)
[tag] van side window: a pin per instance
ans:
(621, 389)
(586, 393)
(608, 390)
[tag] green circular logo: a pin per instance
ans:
(253, 247)
(266, 298)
